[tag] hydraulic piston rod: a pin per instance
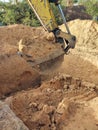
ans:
(63, 17)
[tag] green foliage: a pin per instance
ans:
(75, 1)
(91, 7)
(20, 13)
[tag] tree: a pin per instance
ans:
(20, 13)
(91, 7)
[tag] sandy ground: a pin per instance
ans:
(57, 104)
(75, 66)
(68, 92)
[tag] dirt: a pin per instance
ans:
(75, 66)
(16, 74)
(56, 105)
(34, 39)
(86, 32)
(66, 96)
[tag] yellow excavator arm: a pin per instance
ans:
(44, 13)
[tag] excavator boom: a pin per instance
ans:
(43, 11)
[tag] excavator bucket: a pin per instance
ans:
(51, 54)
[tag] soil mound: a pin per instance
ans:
(86, 32)
(16, 75)
(15, 72)
(54, 105)
(59, 103)
(33, 38)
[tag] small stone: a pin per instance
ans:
(50, 36)
(62, 107)
(48, 109)
(33, 104)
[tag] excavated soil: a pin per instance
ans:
(86, 32)
(15, 72)
(66, 98)
(56, 105)
(34, 39)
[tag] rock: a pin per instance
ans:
(21, 47)
(50, 37)
(63, 107)
(8, 120)
(48, 109)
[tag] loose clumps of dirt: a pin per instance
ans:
(55, 104)
(15, 71)
(33, 38)
(48, 96)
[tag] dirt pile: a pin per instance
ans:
(86, 32)
(16, 75)
(55, 105)
(62, 101)
(75, 66)
(34, 38)
(15, 72)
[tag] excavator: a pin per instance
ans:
(44, 13)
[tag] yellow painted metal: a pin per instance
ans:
(45, 13)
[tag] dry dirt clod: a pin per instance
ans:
(50, 37)
(48, 109)
(22, 48)
(62, 107)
